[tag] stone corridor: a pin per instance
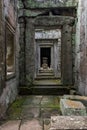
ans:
(43, 56)
(40, 113)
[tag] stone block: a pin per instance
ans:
(75, 97)
(68, 123)
(72, 108)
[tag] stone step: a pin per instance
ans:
(45, 74)
(45, 90)
(45, 77)
(49, 82)
(45, 71)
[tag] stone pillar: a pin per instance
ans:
(81, 49)
(2, 48)
(66, 55)
(22, 68)
(30, 49)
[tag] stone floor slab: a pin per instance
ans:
(30, 112)
(48, 112)
(11, 125)
(68, 122)
(32, 100)
(31, 125)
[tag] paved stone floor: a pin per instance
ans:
(38, 113)
(29, 112)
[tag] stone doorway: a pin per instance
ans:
(39, 28)
(48, 51)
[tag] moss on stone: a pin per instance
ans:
(14, 111)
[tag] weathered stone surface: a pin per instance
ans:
(32, 107)
(30, 112)
(82, 99)
(57, 11)
(66, 55)
(81, 49)
(8, 15)
(48, 3)
(49, 117)
(67, 122)
(69, 108)
(47, 124)
(2, 48)
(77, 97)
(31, 125)
(11, 125)
(53, 21)
(48, 34)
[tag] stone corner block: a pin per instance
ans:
(72, 108)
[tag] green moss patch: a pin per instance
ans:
(14, 111)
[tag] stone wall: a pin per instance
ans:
(81, 49)
(9, 88)
(2, 74)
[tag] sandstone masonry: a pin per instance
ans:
(8, 86)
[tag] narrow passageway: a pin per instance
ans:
(43, 64)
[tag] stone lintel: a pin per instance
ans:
(53, 21)
(34, 12)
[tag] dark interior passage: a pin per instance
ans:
(45, 52)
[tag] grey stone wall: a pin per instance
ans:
(2, 47)
(81, 49)
(9, 87)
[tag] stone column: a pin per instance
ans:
(66, 55)
(52, 57)
(22, 53)
(30, 49)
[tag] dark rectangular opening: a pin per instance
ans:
(45, 52)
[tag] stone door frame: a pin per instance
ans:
(43, 45)
(64, 23)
